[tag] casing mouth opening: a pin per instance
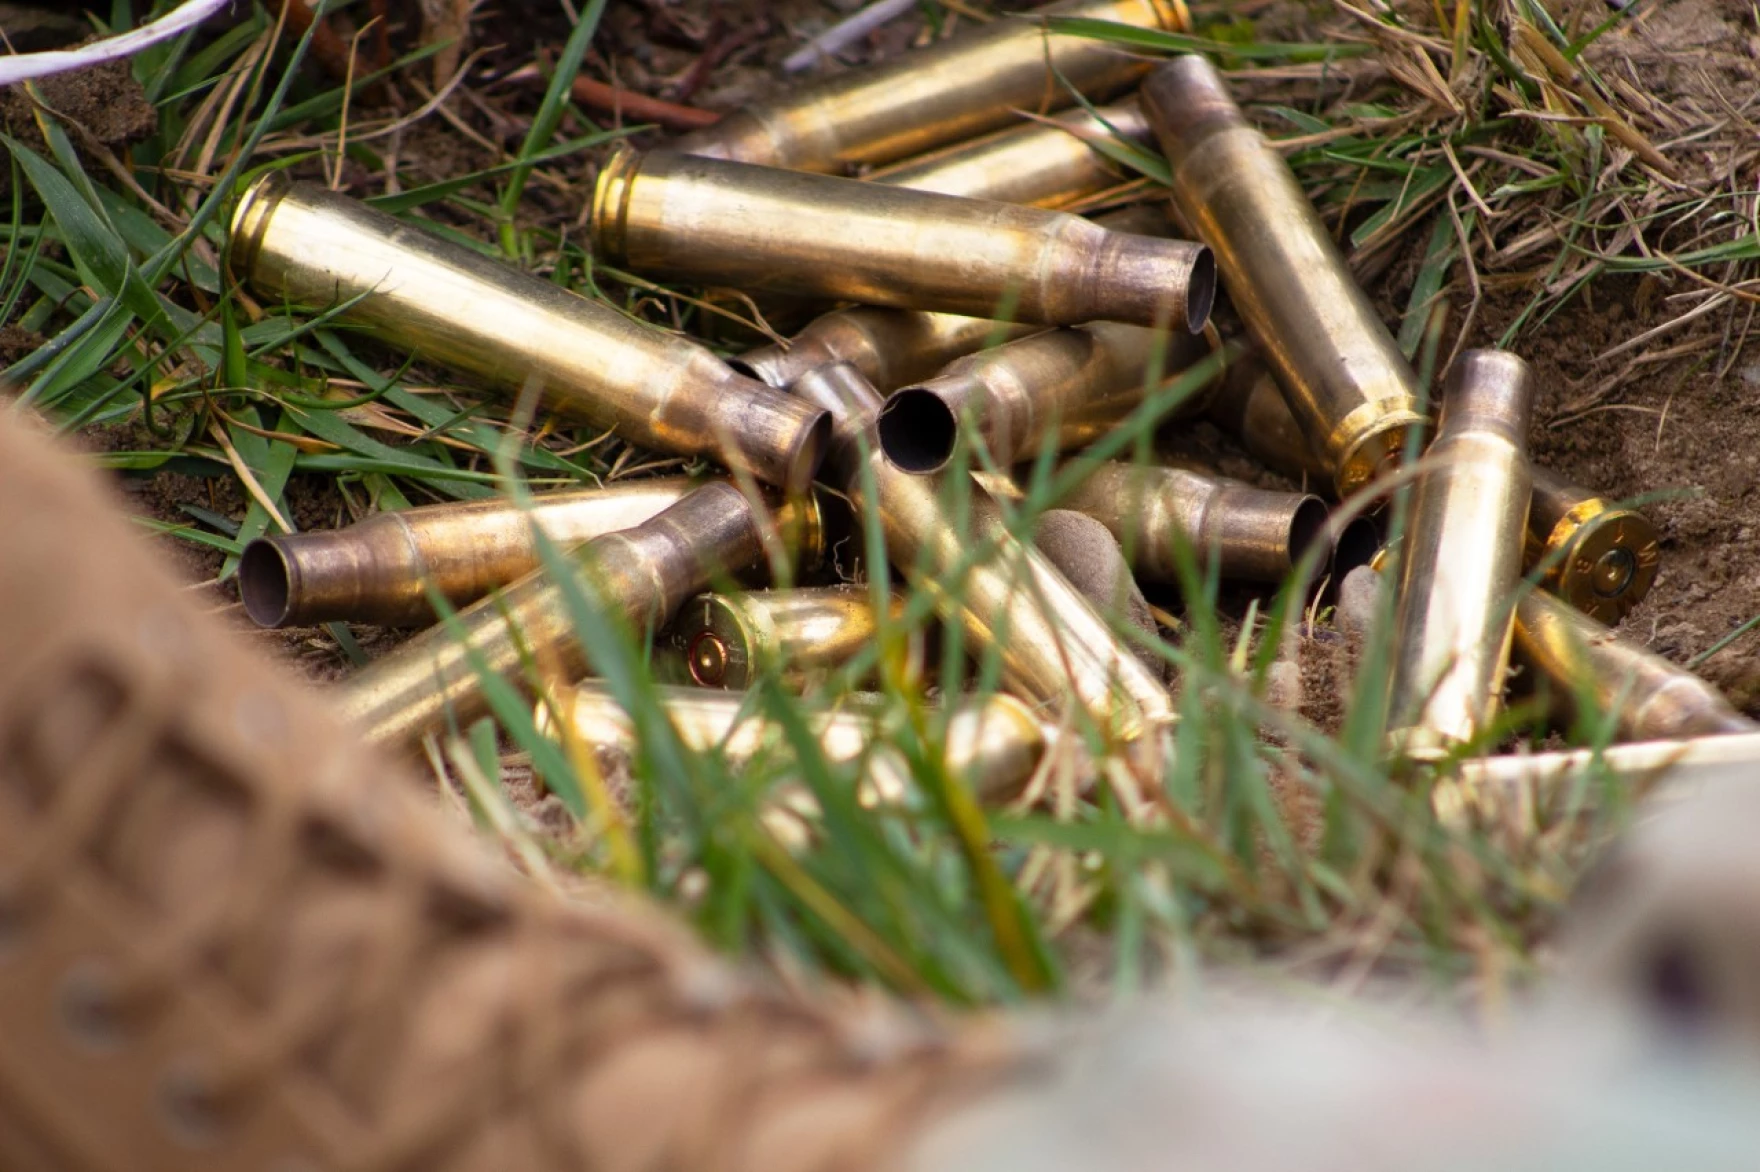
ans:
(1354, 545)
(265, 583)
(1200, 291)
(1307, 525)
(918, 430)
(809, 454)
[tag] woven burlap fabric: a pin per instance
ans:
(230, 937)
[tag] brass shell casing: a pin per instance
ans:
(948, 92)
(1348, 385)
(993, 744)
(1249, 407)
(1651, 698)
(378, 570)
(727, 640)
(1039, 165)
(1075, 384)
(1249, 534)
(643, 574)
(891, 347)
(515, 331)
(765, 230)
(1055, 648)
(1461, 559)
(1601, 558)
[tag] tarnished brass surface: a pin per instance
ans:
(1249, 407)
(896, 347)
(1249, 534)
(378, 570)
(765, 230)
(992, 744)
(804, 634)
(1461, 559)
(1347, 383)
(1651, 698)
(515, 331)
(1075, 384)
(1602, 558)
(948, 92)
(642, 574)
(1039, 165)
(891, 347)
(1055, 647)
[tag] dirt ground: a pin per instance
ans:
(1686, 426)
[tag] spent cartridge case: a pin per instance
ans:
(1600, 557)
(1249, 407)
(1039, 165)
(727, 640)
(379, 570)
(891, 347)
(1248, 534)
(765, 230)
(994, 744)
(515, 331)
(952, 91)
(1348, 385)
(1578, 659)
(1054, 647)
(643, 574)
(1461, 559)
(1074, 384)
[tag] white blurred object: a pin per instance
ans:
(27, 66)
(844, 33)
(1305, 1089)
(1534, 787)
(1667, 925)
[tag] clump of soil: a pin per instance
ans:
(104, 101)
(16, 342)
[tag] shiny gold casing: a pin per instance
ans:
(379, 570)
(765, 230)
(803, 635)
(1040, 165)
(1461, 559)
(1068, 385)
(993, 745)
(1055, 648)
(517, 332)
(1347, 383)
(642, 574)
(1248, 534)
(948, 92)
(891, 347)
(1601, 558)
(1651, 698)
